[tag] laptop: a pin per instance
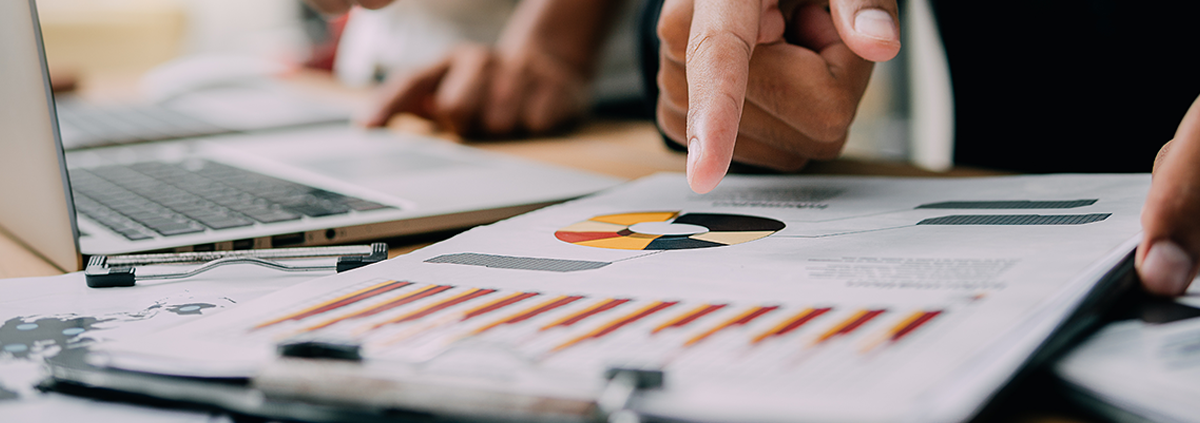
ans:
(313, 186)
(194, 107)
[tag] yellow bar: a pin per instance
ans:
(681, 318)
(782, 325)
(841, 326)
(719, 327)
(605, 327)
(606, 301)
(423, 309)
(498, 301)
(363, 312)
(911, 318)
(263, 325)
(514, 315)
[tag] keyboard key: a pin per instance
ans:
(181, 198)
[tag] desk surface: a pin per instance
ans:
(623, 149)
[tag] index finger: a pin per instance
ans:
(337, 7)
(720, 43)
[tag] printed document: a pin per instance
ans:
(773, 298)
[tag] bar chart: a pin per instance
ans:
(395, 315)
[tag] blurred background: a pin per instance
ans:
(105, 47)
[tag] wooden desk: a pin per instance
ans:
(623, 149)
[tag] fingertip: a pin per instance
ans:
(1166, 269)
(704, 172)
(374, 4)
(871, 32)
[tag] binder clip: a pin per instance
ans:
(120, 271)
(623, 384)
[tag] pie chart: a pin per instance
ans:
(667, 230)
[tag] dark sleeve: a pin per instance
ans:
(1067, 85)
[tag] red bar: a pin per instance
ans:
(630, 319)
(387, 306)
(800, 322)
(339, 303)
(499, 305)
(444, 305)
(750, 317)
(533, 313)
(929, 315)
(690, 318)
(588, 313)
(859, 322)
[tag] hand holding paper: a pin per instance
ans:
(1167, 257)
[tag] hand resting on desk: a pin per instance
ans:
(535, 79)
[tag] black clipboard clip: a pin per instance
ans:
(121, 271)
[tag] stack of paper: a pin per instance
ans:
(42, 317)
(770, 299)
(1142, 371)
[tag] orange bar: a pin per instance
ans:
(618, 323)
(382, 307)
(578, 316)
(791, 324)
(912, 323)
(498, 304)
(741, 319)
(531, 312)
(438, 306)
(849, 325)
(899, 330)
(339, 302)
(688, 317)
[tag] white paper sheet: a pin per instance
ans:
(39, 317)
(1149, 370)
(784, 298)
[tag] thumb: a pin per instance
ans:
(720, 43)
(869, 27)
(1167, 258)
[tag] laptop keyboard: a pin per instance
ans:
(82, 125)
(169, 199)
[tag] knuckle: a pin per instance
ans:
(833, 120)
(670, 124)
(458, 114)
(720, 42)
(827, 151)
(541, 121)
(672, 30)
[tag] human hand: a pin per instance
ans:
(1167, 258)
(337, 7)
(477, 91)
(738, 81)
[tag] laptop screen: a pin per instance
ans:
(35, 202)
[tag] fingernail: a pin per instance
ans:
(876, 23)
(694, 151)
(1166, 268)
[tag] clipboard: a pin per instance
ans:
(121, 271)
(466, 276)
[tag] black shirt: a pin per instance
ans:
(1068, 85)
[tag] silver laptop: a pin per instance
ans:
(316, 186)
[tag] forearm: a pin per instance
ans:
(572, 31)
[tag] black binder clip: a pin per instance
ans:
(623, 384)
(114, 271)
